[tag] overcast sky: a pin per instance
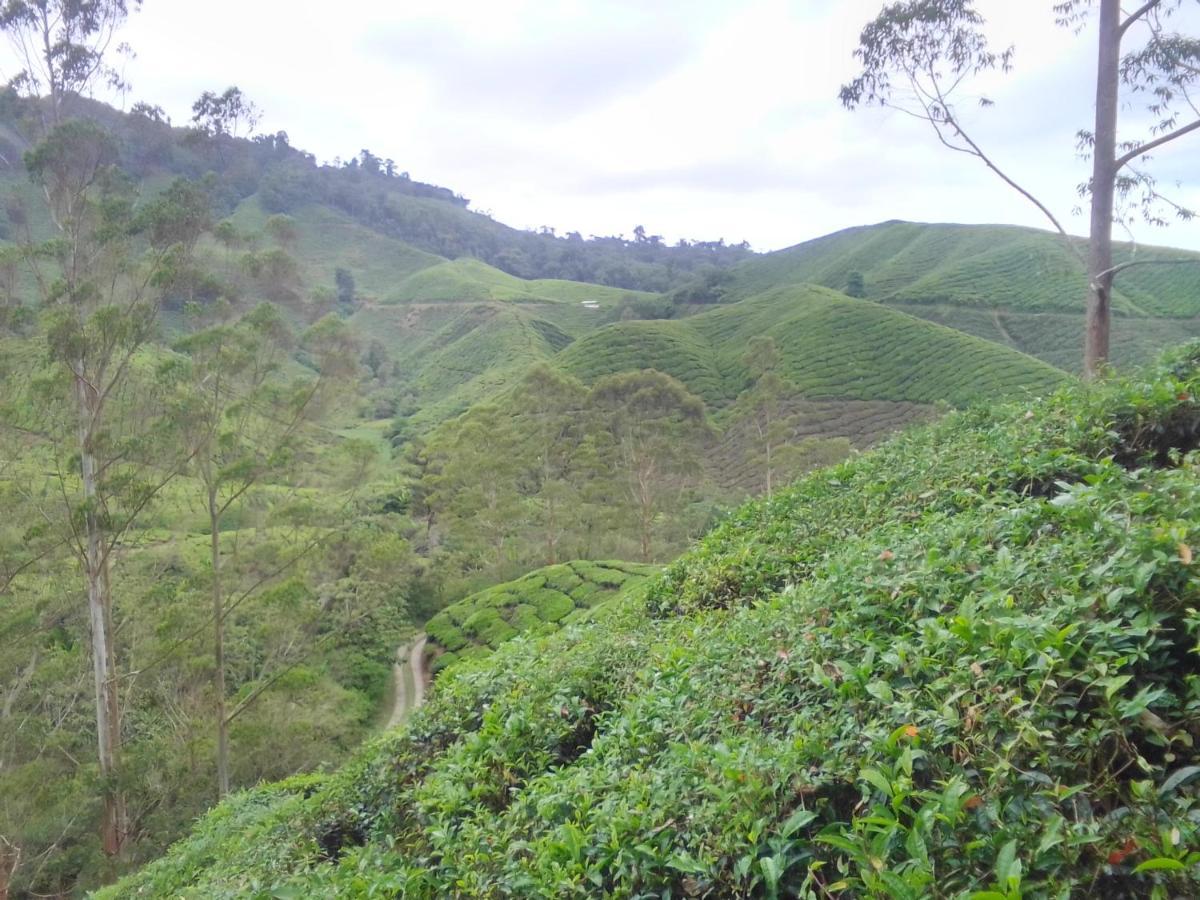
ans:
(704, 119)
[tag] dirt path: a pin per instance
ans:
(409, 677)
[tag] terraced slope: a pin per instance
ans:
(451, 356)
(1057, 338)
(538, 603)
(991, 266)
(469, 280)
(959, 666)
(831, 347)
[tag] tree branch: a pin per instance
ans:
(1137, 14)
(1121, 267)
(1145, 148)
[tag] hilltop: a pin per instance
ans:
(968, 651)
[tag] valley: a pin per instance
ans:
(358, 544)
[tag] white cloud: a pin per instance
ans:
(698, 119)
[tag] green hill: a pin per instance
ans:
(1019, 287)
(536, 604)
(991, 266)
(961, 663)
(832, 347)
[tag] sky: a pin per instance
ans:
(694, 118)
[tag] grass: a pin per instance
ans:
(962, 663)
(990, 266)
(536, 604)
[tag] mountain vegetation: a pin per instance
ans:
(960, 663)
(265, 420)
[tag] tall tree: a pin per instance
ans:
(242, 419)
(550, 418)
(918, 56)
(102, 292)
(62, 46)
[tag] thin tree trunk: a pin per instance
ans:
(218, 602)
(99, 597)
(1095, 353)
(10, 858)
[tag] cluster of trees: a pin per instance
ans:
(220, 143)
(183, 541)
(621, 469)
(559, 471)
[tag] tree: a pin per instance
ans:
(552, 453)
(241, 426)
(917, 56)
(61, 45)
(657, 428)
(763, 404)
(225, 114)
(344, 282)
(855, 285)
(102, 294)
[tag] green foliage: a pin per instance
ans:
(959, 663)
(829, 346)
(539, 603)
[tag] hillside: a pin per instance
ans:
(968, 651)
(832, 347)
(1020, 287)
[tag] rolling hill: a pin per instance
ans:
(832, 347)
(1020, 287)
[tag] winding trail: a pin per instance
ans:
(409, 678)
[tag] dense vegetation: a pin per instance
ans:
(961, 662)
(265, 418)
(535, 604)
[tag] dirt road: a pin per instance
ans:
(409, 678)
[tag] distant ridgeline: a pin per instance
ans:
(374, 192)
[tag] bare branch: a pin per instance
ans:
(1145, 148)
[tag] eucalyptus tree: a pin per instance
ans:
(100, 283)
(242, 416)
(919, 56)
(657, 430)
(63, 47)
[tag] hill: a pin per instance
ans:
(535, 604)
(958, 663)
(832, 346)
(1019, 287)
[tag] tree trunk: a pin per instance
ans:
(10, 858)
(99, 598)
(1104, 151)
(218, 603)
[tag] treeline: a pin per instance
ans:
(373, 190)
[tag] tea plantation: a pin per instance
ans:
(537, 604)
(962, 665)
